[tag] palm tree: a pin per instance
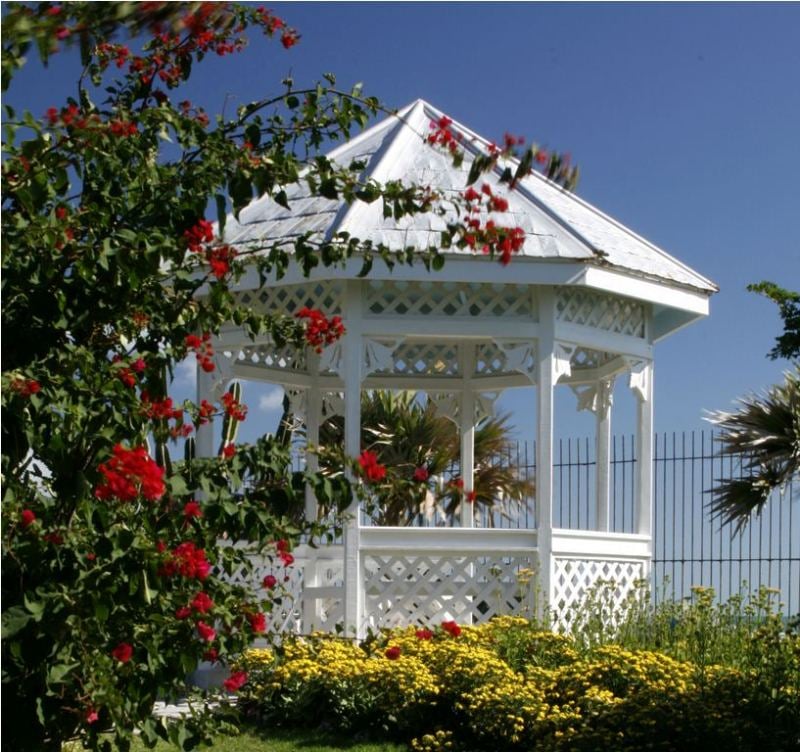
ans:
(765, 432)
(407, 435)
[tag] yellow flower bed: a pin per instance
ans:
(507, 685)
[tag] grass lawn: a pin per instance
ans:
(253, 740)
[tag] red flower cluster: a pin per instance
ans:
(228, 451)
(270, 581)
(24, 387)
(289, 38)
(471, 496)
(205, 412)
(130, 473)
(443, 136)
(206, 633)
(233, 408)
(219, 259)
(286, 558)
(27, 518)
(160, 409)
(235, 681)
(187, 561)
(203, 349)
(421, 474)
(424, 634)
(393, 652)
(321, 331)
(371, 469)
(122, 128)
(258, 622)
(106, 52)
(451, 628)
(92, 716)
(192, 510)
(202, 603)
(202, 232)
(123, 652)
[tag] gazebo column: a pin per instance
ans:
(641, 382)
(351, 369)
(204, 435)
(467, 433)
(602, 409)
(313, 418)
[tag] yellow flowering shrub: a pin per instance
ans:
(507, 685)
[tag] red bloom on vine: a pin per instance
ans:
(421, 474)
(289, 39)
(92, 716)
(203, 350)
(451, 628)
(393, 652)
(270, 581)
(424, 634)
(258, 622)
(192, 510)
(27, 518)
(186, 560)
(321, 331)
(130, 473)
(235, 681)
(371, 469)
(122, 652)
(25, 387)
(206, 633)
(184, 612)
(471, 496)
(228, 451)
(202, 603)
(233, 408)
(202, 232)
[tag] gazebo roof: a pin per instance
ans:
(559, 226)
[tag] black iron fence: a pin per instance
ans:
(690, 549)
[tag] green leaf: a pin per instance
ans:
(14, 621)
(222, 213)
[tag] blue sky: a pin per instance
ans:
(684, 120)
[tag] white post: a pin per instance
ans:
(352, 355)
(545, 382)
(641, 381)
(467, 426)
(313, 417)
(204, 436)
(603, 467)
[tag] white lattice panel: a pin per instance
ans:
(604, 312)
(294, 613)
(268, 356)
(397, 298)
(573, 578)
(425, 589)
(423, 359)
(326, 296)
(583, 357)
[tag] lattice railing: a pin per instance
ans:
(429, 588)
(268, 356)
(397, 298)
(605, 312)
(324, 295)
(309, 594)
(423, 359)
(574, 579)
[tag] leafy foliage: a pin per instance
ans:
(787, 345)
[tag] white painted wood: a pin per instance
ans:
(467, 419)
(313, 417)
(352, 364)
(204, 435)
(595, 544)
(644, 451)
(597, 339)
(437, 539)
(544, 439)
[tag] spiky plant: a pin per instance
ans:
(765, 433)
(407, 434)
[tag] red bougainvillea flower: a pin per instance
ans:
(203, 349)
(206, 633)
(286, 558)
(233, 408)
(258, 622)
(228, 451)
(25, 387)
(393, 652)
(27, 518)
(186, 560)
(184, 612)
(471, 496)
(122, 652)
(191, 510)
(130, 473)
(424, 634)
(219, 259)
(202, 232)
(371, 469)
(289, 39)
(270, 581)
(202, 603)
(451, 628)
(235, 681)
(211, 655)
(421, 474)
(321, 331)
(92, 716)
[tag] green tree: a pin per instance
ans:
(111, 273)
(765, 431)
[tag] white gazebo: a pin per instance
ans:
(581, 306)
